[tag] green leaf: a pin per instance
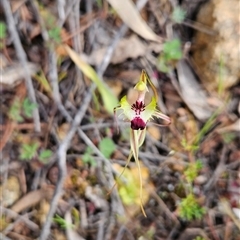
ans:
(45, 154)
(15, 111)
(192, 171)
(178, 15)
(3, 30)
(228, 137)
(43, 82)
(128, 195)
(162, 65)
(88, 158)
(107, 147)
(62, 222)
(28, 151)
(99, 3)
(54, 34)
(109, 99)
(28, 107)
(172, 50)
(190, 209)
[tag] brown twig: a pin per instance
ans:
(164, 207)
(23, 59)
(22, 126)
(12, 214)
(121, 232)
(9, 127)
(218, 171)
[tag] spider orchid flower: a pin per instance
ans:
(139, 114)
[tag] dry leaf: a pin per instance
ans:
(63, 130)
(10, 191)
(32, 199)
(233, 127)
(44, 208)
(58, 234)
(123, 51)
(12, 75)
(192, 93)
(154, 132)
(131, 17)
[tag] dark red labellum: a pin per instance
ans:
(137, 123)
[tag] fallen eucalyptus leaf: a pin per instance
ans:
(14, 74)
(123, 51)
(109, 99)
(131, 17)
(191, 91)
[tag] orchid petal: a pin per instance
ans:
(141, 137)
(151, 84)
(134, 141)
(158, 114)
(126, 107)
(149, 110)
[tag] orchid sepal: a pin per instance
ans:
(136, 140)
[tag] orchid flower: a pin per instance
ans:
(139, 114)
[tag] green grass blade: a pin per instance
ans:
(109, 99)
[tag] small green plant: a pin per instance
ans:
(193, 145)
(15, 111)
(54, 34)
(99, 3)
(150, 233)
(171, 52)
(178, 15)
(28, 151)
(88, 158)
(188, 146)
(18, 110)
(107, 147)
(192, 171)
(51, 25)
(228, 137)
(28, 107)
(190, 209)
(128, 188)
(62, 222)
(44, 155)
(3, 30)
(199, 238)
(207, 126)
